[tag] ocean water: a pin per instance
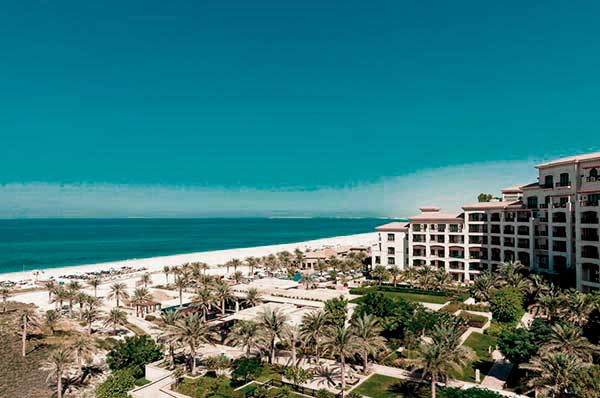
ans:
(49, 243)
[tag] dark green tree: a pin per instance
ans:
(485, 197)
(116, 385)
(506, 304)
(336, 311)
(133, 353)
(517, 345)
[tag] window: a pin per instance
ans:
(548, 182)
(391, 237)
(564, 180)
(391, 250)
(532, 202)
(593, 175)
(391, 261)
(377, 260)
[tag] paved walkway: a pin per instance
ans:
(499, 372)
(154, 389)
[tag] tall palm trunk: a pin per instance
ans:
(272, 358)
(433, 386)
(343, 369)
(193, 351)
(59, 385)
(223, 307)
(24, 336)
(365, 361)
(180, 298)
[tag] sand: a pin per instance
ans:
(212, 258)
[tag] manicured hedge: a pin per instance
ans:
(365, 290)
(474, 320)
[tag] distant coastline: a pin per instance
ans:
(35, 244)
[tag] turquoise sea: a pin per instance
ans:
(49, 243)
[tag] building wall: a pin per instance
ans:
(560, 229)
(391, 249)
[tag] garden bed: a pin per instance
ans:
(380, 386)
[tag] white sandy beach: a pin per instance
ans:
(213, 258)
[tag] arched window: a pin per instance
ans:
(593, 174)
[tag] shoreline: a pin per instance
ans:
(212, 258)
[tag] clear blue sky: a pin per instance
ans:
(285, 101)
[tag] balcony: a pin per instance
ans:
(477, 267)
(509, 242)
(590, 252)
(592, 179)
(559, 232)
(541, 246)
(509, 230)
(523, 244)
(455, 265)
(591, 273)
(523, 230)
(589, 235)
(589, 203)
(563, 184)
(523, 217)
(559, 218)
(589, 217)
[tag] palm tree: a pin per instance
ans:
(204, 300)
(252, 262)
(5, 293)
(576, 307)
(253, 297)
(181, 283)
(325, 375)
(60, 296)
(237, 277)
(482, 286)
(307, 280)
(83, 347)
(441, 279)
(191, 331)
(291, 334)
(115, 318)
(235, 263)
(140, 298)
(73, 289)
(246, 335)
(56, 364)
(273, 322)
(222, 294)
(169, 318)
(118, 291)
(442, 354)
(379, 273)
(568, 339)
(341, 343)
(146, 279)
(548, 305)
(166, 271)
(51, 285)
(554, 373)
(51, 319)
(395, 272)
(367, 331)
(94, 283)
(90, 315)
(29, 320)
(312, 330)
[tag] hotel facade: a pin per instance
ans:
(550, 225)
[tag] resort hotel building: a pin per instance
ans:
(550, 226)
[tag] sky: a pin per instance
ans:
(287, 108)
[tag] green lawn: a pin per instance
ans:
(422, 298)
(379, 386)
(479, 343)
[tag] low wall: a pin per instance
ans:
(154, 372)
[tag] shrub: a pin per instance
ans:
(116, 385)
(506, 304)
(246, 369)
(134, 353)
(474, 320)
(150, 318)
(473, 392)
(323, 393)
(517, 345)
